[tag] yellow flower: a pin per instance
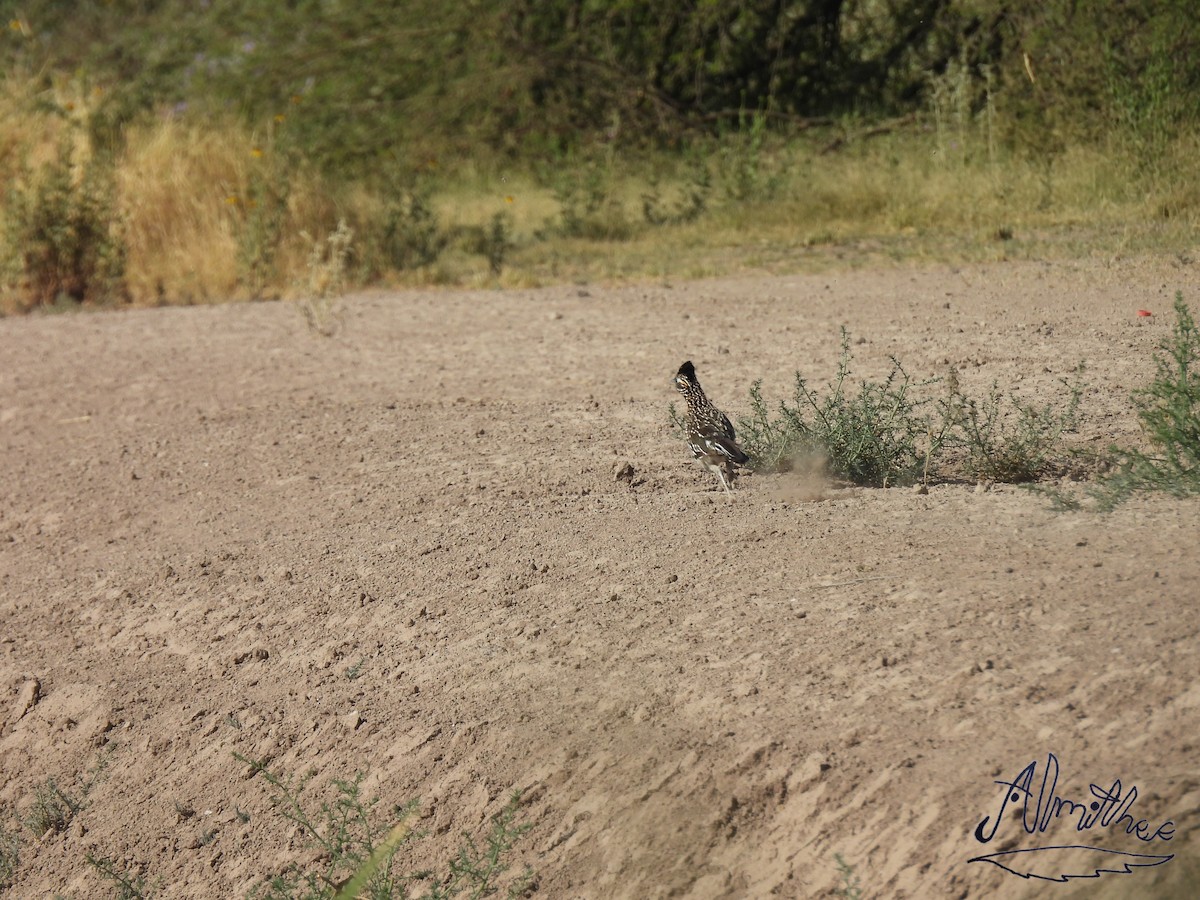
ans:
(508, 199)
(256, 152)
(279, 117)
(231, 200)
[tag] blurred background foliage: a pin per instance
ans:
(168, 150)
(519, 77)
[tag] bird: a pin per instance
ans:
(710, 434)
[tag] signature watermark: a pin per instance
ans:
(1106, 809)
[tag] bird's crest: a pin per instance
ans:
(685, 378)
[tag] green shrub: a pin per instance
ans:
(128, 885)
(850, 887)
(263, 217)
(689, 205)
(1169, 411)
(892, 432)
(63, 233)
(10, 856)
(747, 173)
(878, 436)
(589, 205)
(409, 235)
(358, 848)
(492, 241)
(52, 810)
(1006, 439)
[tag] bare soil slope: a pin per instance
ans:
(403, 550)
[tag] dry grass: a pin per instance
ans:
(186, 191)
(182, 189)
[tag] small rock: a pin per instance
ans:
(352, 720)
(920, 489)
(625, 473)
(671, 579)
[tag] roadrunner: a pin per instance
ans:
(709, 432)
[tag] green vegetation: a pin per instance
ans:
(52, 810)
(850, 888)
(128, 886)
(895, 432)
(1006, 439)
(1169, 411)
(168, 151)
(870, 437)
(53, 807)
(10, 856)
(358, 847)
(62, 235)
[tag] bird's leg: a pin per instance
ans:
(724, 480)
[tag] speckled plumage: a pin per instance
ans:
(710, 434)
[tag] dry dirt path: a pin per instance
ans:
(403, 550)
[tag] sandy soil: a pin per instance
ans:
(404, 550)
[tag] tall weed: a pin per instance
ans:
(1169, 411)
(1005, 438)
(893, 432)
(358, 847)
(877, 435)
(10, 856)
(63, 234)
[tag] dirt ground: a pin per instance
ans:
(403, 550)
